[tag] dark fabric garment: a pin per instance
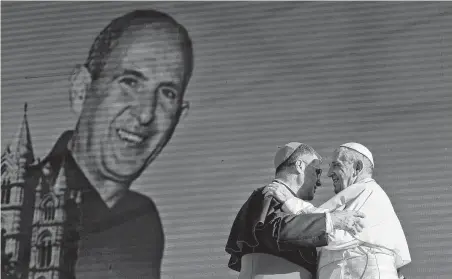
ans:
(125, 241)
(262, 227)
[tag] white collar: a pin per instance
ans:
(365, 180)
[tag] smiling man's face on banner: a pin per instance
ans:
(132, 109)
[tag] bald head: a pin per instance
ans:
(162, 28)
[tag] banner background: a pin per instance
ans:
(265, 74)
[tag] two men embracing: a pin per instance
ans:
(355, 234)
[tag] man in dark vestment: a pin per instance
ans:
(267, 243)
(129, 98)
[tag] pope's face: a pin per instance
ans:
(341, 171)
(133, 107)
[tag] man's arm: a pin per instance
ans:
(288, 232)
(340, 226)
(297, 206)
(291, 203)
(336, 238)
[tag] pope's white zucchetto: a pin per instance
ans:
(360, 149)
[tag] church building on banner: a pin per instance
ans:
(39, 214)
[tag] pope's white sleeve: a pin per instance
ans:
(298, 206)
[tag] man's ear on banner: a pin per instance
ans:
(80, 81)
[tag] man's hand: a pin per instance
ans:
(350, 221)
(278, 191)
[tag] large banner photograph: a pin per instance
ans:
(250, 140)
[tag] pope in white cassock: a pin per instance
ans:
(381, 248)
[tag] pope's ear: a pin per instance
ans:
(79, 82)
(359, 166)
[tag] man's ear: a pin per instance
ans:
(184, 109)
(80, 81)
(300, 166)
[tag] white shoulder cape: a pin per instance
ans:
(382, 227)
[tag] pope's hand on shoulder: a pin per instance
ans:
(277, 191)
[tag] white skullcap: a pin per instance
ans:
(284, 153)
(361, 149)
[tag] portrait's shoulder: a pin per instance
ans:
(59, 149)
(138, 202)
(53, 159)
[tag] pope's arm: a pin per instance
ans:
(336, 238)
